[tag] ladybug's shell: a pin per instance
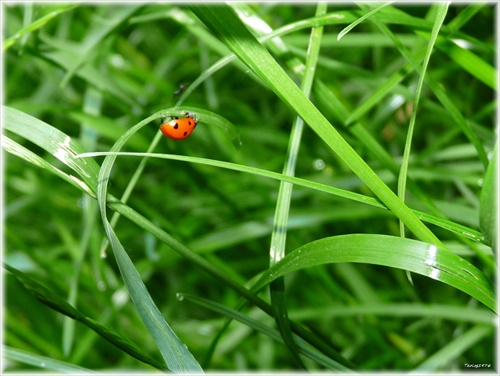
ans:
(178, 129)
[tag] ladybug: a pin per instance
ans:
(179, 129)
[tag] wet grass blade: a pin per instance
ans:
(415, 256)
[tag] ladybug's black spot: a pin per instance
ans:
(185, 133)
(176, 126)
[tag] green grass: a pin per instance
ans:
(335, 208)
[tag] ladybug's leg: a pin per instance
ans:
(191, 115)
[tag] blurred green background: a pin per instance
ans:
(93, 71)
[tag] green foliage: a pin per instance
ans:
(311, 119)
(488, 210)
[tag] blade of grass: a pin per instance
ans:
(467, 60)
(92, 105)
(421, 258)
(225, 24)
(280, 222)
(437, 90)
(174, 352)
(441, 311)
(371, 144)
(42, 362)
(441, 11)
(360, 20)
(15, 149)
(441, 222)
(488, 209)
(464, 16)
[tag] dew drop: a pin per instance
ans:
(206, 330)
(101, 286)
(319, 164)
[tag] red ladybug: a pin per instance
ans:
(179, 129)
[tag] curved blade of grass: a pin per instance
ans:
(143, 222)
(18, 150)
(441, 222)
(26, 126)
(55, 142)
(258, 326)
(225, 24)
(174, 352)
(415, 256)
(54, 301)
(210, 118)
